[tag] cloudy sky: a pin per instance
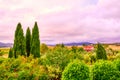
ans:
(62, 20)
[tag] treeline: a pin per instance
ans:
(26, 45)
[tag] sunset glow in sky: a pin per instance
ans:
(62, 21)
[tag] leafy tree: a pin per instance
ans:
(10, 53)
(28, 41)
(104, 70)
(19, 41)
(35, 43)
(101, 52)
(76, 70)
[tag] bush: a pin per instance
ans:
(104, 70)
(24, 75)
(117, 64)
(1, 60)
(2, 70)
(57, 59)
(86, 58)
(43, 48)
(15, 65)
(76, 71)
(1, 53)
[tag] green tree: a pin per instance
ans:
(35, 43)
(19, 41)
(10, 53)
(28, 41)
(101, 52)
(105, 70)
(76, 70)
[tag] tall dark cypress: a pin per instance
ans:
(101, 52)
(35, 43)
(28, 41)
(19, 41)
(15, 46)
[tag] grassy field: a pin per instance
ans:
(114, 47)
(4, 52)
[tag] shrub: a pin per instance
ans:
(24, 75)
(1, 60)
(105, 70)
(1, 53)
(43, 48)
(86, 58)
(117, 64)
(15, 65)
(2, 70)
(76, 71)
(92, 58)
(57, 59)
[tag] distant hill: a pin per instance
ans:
(78, 43)
(73, 43)
(5, 44)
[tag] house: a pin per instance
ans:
(88, 48)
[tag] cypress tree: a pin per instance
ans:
(19, 41)
(101, 52)
(28, 41)
(35, 42)
(10, 53)
(15, 47)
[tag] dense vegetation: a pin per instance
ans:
(30, 60)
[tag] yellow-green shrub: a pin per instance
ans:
(105, 70)
(76, 70)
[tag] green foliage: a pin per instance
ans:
(43, 48)
(80, 49)
(74, 49)
(87, 58)
(15, 65)
(59, 47)
(10, 53)
(25, 75)
(57, 58)
(19, 41)
(28, 41)
(76, 71)
(1, 60)
(117, 64)
(2, 70)
(101, 52)
(35, 43)
(1, 53)
(104, 70)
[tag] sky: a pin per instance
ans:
(62, 21)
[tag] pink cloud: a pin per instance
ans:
(63, 20)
